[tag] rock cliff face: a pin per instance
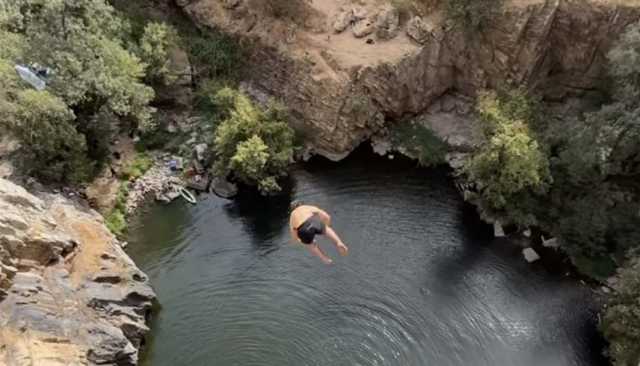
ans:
(343, 89)
(69, 295)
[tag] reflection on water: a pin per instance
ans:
(424, 283)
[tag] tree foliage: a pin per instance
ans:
(96, 79)
(511, 161)
(252, 144)
(156, 43)
(38, 117)
(419, 142)
(217, 55)
(621, 322)
(597, 167)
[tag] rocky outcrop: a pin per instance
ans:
(352, 87)
(159, 182)
(69, 295)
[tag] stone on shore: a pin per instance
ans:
(223, 188)
(550, 243)
(530, 255)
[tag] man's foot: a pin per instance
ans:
(343, 249)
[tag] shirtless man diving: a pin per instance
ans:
(308, 221)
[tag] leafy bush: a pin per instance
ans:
(252, 144)
(216, 55)
(116, 220)
(511, 160)
(140, 164)
(156, 42)
(116, 223)
(54, 150)
(214, 99)
(419, 142)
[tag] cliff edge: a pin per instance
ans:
(69, 294)
(346, 69)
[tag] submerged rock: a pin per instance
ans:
(550, 243)
(223, 188)
(530, 255)
(498, 230)
(69, 295)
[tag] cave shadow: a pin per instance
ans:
(263, 217)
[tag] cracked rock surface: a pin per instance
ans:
(69, 294)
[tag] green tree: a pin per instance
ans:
(156, 43)
(252, 144)
(595, 198)
(216, 55)
(511, 161)
(94, 75)
(612, 135)
(56, 151)
(597, 188)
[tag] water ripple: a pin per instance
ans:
(421, 286)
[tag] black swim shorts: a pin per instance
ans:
(310, 228)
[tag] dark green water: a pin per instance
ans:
(425, 284)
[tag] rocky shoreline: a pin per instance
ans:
(158, 182)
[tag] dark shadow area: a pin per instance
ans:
(262, 215)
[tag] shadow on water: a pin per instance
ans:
(262, 216)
